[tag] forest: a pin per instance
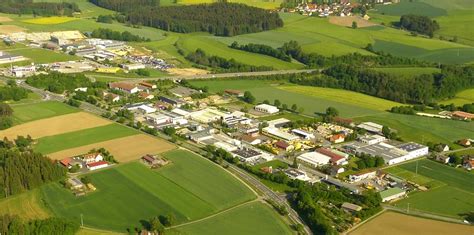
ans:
(419, 24)
(22, 169)
(221, 19)
(59, 83)
(38, 8)
(262, 49)
(117, 35)
(11, 224)
(221, 64)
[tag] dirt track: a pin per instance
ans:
(124, 149)
(55, 125)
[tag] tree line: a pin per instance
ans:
(221, 19)
(12, 92)
(117, 35)
(262, 49)
(221, 64)
(22, 169)
(11, 224)
(6, 113)
(38, 8)
(419, 24)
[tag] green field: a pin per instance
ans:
(454, 187)
(51, 144)
(191, 188)
(34, 111)
(27, 205)
(252, 218)
(42, 56)
(461, 98)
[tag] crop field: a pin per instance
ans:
(190, 188)
(55, 143)
(461, 98)
(55, 125)
(252, 218)
(416, 128)
(50, 20)
(451, 185)
(27, 205)
(124, 149)
(396, 223)
(408, 71)
(34, 111)
(11, 29)
(87, 9)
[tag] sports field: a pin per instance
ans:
(252, 218)
(124, 149)
(191, 188)
(34, 111)
(55, 125)
(461, 98)
(55, 143)
(27, 205)
(396, 223)
(50, 20)
(454, 187)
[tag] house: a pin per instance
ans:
(66, 162)
(111, 97)
(465, 142)
(252, 140)
(150, 160)
(442, 158)
(463, 115)
(283, 145)
(92, 157)
(362, 175)
(313, 159)
(296, 174)
(469, 164)
(349, 207)
(392, 194)
(146, 96)
(266, 108)
(337, 138)
(336, 170)
(267, 169)
(444, 147)
(97, 165)
(125, 87)
(147, 85)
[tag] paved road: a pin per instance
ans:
(210, 76)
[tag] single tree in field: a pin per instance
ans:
(354, 25)
(277, 103)
(294, 107)
(332, 112)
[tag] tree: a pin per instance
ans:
(354, 25)
(294, 107)
(248, 97)
(284, 106)
(277, 103)
(156, 225)
(86, 179)
(332, 112)
(387, 132)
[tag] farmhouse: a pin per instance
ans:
(266, 108)
(392, 194)
(125, 87)
(66, 162)
(313, 159)
(92, 158)
(153, 161)
(111, 97)
(97, 165)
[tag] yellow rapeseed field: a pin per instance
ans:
(50, 20)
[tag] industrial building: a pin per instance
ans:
(266, 108)
(313, 159)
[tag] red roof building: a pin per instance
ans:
(97, 165)
(336, 159)
(282, 145)
(463, 115)
(66, 162)
(338, 138)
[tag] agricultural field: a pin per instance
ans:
(55, 143)
(34, 111)
(461, 98)
(448, 184)
(55, 125)
(50, 20)
(186, 188)
(396, 223)
(124, 149)
(27, 205)
(88, 9)
(252, 218)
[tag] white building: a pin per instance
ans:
(209, 115)
(276, 132)
(97, 165)
(130, 67)
(142, 108)
(296, 174)
(23, 71)
(371, 127)
(362, 176)
(372, 139)
(313, 159)
(303, 134)
(266, 108)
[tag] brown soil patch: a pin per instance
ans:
(55, 125)
(8, 29)
(395, 223)
(187, 71)
(5, 19)
(347, 21)
(124, 149)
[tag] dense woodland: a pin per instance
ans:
(117, 35)
(222, 19)
(13, 92)
(22, 169)
(221, 64)
(38, 8)
(262, 49)
(6, 120)
(59, 82)
(419, 24)
(11, 224)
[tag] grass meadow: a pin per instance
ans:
(186, 188)
(252, 218)
(23, 113)
(51, 144)
(454, 187)
(27, 205)
(461, 98)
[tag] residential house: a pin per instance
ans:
(125, 87)
(337, 138)
(469, 164)
(146, 96)
(465, 142)
(283, 145)
(92, 157)
(252, 140)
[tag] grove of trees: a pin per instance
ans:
(117, 35)
(38, 8)
(221, 64)
(419, 24)
(11, 224)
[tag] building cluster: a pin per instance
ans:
(333, 8)
(87, 162)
